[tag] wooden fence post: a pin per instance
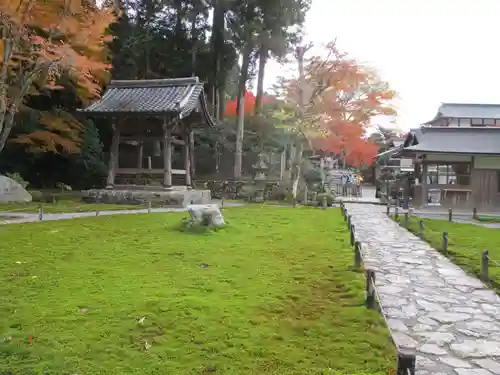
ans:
(474, 213)
(370, 289)
(352, 235)
(357, 255)
(406, 219)
(450, 215)
(40, 212)
(348, 221)
(388, 210)
(445, 242)
(396, 212)
(150, 205)
(406, 363)
(421, 223)
(484, 266)
(324, 204)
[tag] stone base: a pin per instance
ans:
(176, 196)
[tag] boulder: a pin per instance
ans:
(206, 214)
(11, 191)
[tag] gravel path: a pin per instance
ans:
(451, 319)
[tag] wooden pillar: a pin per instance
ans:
(191, 154)
(113, 157)
(425, 197)
(140, 153)
(167, 155)
(187, 156)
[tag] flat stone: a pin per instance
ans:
(422, 327)
(404, 341)
(465, 281)
(397, 325)
(444, 317)
(388, 289)
(472, 371)
(465, 310)
(409, 260)
(455, 362)
(394, 313)
(484, 296)
(476, 349)
(432, 349)
(470, 333)
(491, 310)
(489, 365)
(410, 311)
(428, 321)
(438, 338)
(429, 306)
(478, 325)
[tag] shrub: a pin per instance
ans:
(18, 178)
(330, 199)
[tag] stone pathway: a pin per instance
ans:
(433, 306)
(31, 217)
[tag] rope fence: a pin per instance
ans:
(406, 361)
(444, 241)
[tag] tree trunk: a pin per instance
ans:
(238, 155)
(296, 172)
(5, 128)
(260, 78)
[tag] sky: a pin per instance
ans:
(430, 51)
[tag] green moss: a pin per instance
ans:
(271, 293)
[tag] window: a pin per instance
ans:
(489, 121)
(477, 122)
(451, 174)
(464, 122)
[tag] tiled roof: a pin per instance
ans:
(454, 140)
(157, 96)
(468, 110)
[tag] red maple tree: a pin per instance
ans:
(232, 105)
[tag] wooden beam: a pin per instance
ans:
(156, 171)
(187, 157)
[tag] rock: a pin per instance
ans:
(476, 349)
(455, 362)
(444, 317)
(11, 191)
(206, 214)
(432, 349)
(489, 365)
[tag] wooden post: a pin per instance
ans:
(349, 221)
(396, 212)
(282, 164)
(187, 157)
(421, 224)
(450, 215)
(113, 157)
(305, 194)
(357, 255)
(191, 155)
(40, 212)
(167, 156)
(445, 242)
(149, 206)
(140, 154)
(352, 235)
(425, 197)
(484, 266)
(388, 209)
(324, 204)
(406, 219)
(474, 213)
(406, 363)
(370, 289)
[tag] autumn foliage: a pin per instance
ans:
(342, 97)
(232, 105)
(49, 45)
